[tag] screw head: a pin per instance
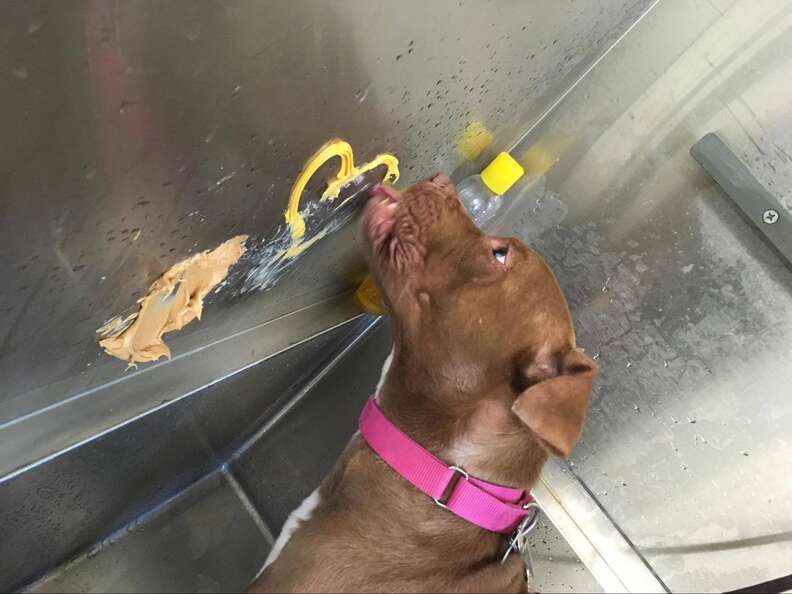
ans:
(770, 216)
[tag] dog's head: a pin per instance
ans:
(476, 317)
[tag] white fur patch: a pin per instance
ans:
(472, 450)
(297, 517)
(385, 368)
(463, 451)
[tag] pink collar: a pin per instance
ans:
(489, 506)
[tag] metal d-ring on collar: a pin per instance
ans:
(519, 540)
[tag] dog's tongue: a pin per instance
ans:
(386, 190)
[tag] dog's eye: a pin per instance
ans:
(500, 253)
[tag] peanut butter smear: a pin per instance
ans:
(173, 301)
(176, 298)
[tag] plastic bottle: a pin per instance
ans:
(482, 194)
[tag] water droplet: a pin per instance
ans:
(21, 73)
(361, 95)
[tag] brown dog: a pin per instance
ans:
(484, 374)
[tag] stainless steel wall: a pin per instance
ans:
(77, 500)
(135, 133)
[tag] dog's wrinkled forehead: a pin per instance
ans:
(433, 207)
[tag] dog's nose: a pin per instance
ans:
(441, 179)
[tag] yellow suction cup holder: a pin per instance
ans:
(368, 298)
(346, 172)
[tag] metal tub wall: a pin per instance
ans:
(62, 507)
(215, 535)
(146, 131)
(138, 133)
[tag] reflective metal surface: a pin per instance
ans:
(62, 506)
(609, 557)
(685, 305)
(272, 471)
(556, 567)
(205, 540)
(45, 432)
(138, 132)
(289, 459)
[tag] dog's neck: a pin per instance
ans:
(481, 435)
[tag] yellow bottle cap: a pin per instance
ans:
(501, 174)
(368, 297)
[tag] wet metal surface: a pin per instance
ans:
(144, 132)
(45, 432)
(556, 567)
(589, 532)
(57, 509)
(291, 458)
(270, 475)
(205, 540)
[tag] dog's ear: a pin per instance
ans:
(554, 406)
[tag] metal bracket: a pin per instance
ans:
(757, 202)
